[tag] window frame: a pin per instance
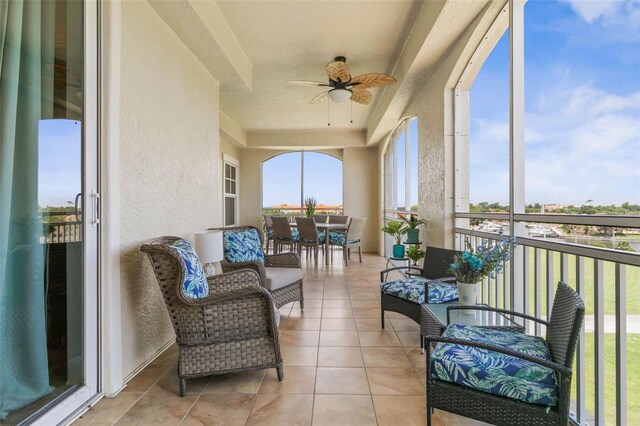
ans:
(230, 161)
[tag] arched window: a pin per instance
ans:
(288, 179)
(401, 173)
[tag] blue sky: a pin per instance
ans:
(582, 107)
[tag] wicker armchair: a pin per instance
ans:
(232, 329)
(435, 269)
(281, 273)
(562, 334)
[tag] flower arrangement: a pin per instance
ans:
(486, 260)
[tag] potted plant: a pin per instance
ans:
(469, 268)
(396, 230)
(413, 233)
(415, 253)
(310, 206)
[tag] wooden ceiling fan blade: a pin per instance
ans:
(372, 79)
(338, 71)
(361, 96)
(308, 83)
(319, 97)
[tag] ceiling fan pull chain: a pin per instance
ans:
(328, 112)
(351, 112)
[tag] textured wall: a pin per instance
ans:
(169, 165)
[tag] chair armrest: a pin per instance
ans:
(498, 310)
(234, 280)
(283, 260)
(253, 265)
(558, 368)
(385, 272)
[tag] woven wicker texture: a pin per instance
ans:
(230, 330)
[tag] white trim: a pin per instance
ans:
(233, 162)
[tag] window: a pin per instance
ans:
(290, 178)
(401, 173)
(230, 191)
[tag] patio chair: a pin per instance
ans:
(268, 227)
(321, 218)
(350, 239)
(281, 274)
(310, 237)
(406, 295)
(283, 235)
(341, 220)
(504, 377)
(224, 323)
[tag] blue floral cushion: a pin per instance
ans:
(412, 289)
(339, 238)
(320, 238)
(294, 233)
(194, 284)
(494, 372)
(242, 246)
(270, 233)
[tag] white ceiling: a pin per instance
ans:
(294, 40)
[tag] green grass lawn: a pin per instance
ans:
(633, 377)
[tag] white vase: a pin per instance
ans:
(467, 294)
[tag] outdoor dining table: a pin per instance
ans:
(328, 227)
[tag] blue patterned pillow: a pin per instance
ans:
(242, 246)
(494, 372)
(195, 284)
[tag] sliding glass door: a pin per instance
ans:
(48, 209)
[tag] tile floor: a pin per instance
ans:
(341, 368)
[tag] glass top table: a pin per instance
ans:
(433, 319)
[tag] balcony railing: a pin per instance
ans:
(68, 230)
(603, 277)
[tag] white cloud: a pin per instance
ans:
(592, 10)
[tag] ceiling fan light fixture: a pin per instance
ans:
(340, 95)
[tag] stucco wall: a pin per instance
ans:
(361, 191)
(169, 166)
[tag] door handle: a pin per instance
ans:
(75, 206)
(96, 208)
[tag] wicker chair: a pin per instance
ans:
(309, 236)
(232, 329)
(280, 273)
(341, 220)
(268, 227)
(350, 239)
(562, 334)
(321, 218)
(435, 268)
(283, 235)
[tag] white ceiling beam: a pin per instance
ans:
(232, 132)
(307, 140)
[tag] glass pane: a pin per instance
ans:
(413, 163)
(281, 183)
(233, 172)
(323, 181)
(227, 186)
(41, 222)
(233, 187)
(400, 172)
(489, 133)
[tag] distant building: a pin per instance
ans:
(552, 207)
(320, 208)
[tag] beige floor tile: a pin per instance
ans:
(363, 295)
(299, 356)
(168, 357)
(108, 410)
(306, 313)
(148, 377)
(403, 410)
(244, 382)
(385, 357)
(171, 383)
(451, 419)
(342, 381)
(378, 338)
(370, 324)
(299, 338)
(337, 303)
(281, 409)
(296, 380)
(158, 407)
(409, 338)
(394, 381)
(329, 295)
(416, 357)
(395, 315)
(404, 324)
(340, 357)
(313, 295)
(220, 410)
(365, 303)
(311, 303)
(339, 338)
(297, 323)
(337, 324)
(366, 312)
(343, 410)
(337, 313)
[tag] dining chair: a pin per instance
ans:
(268, 225)
(283, 235)
(310, 237)
(341, 220)
(321, 218)
(350, 239)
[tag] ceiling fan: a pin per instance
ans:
(343, 86)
